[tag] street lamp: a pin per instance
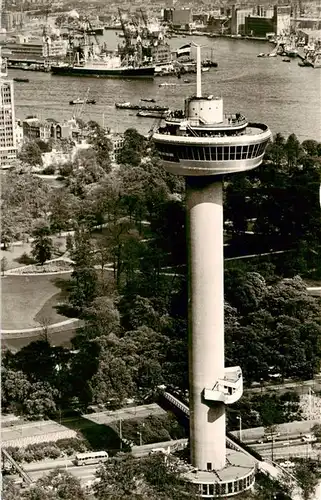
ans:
(240, 431)
(120, 434)
(311, 404)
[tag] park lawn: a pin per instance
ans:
(27, 299)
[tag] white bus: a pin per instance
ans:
(91, 457)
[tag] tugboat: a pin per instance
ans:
(74, 102)
(22, 80)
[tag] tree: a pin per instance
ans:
(307, 476)
(133, 148)
(101, 144)
(4, 265)
(151, 478)
(9, 490)
(311, 147)
(62, 210)
(118, 479)
(292, 149)
(15, 389)
(113, 380)
(42, 246)
(102, 317)
(62, 484)
(40, 401)
(31, 154)
(83, 283)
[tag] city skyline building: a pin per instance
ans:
(204, 146)
(8, 147)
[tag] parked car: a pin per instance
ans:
(287, 464)
(309, 438)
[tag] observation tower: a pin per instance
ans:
(204, 146)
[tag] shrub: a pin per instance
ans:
(25, 259)
(52, 452)
(50, 170)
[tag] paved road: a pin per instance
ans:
(290, 430)
(84, 473)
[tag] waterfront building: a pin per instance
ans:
(203, 146)
(117, 142)
(11, 20)
(259, 26)
(21, 51)
(282, 19)
(8, 148)
(19, 134)
(181, 17)
(313, 23)
(54, 47)
(34, 129)
(238, 19)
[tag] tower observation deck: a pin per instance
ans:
(203, 146)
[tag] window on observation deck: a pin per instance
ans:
(244, 152)
(201, 153)
(251, 149)
(207, 154)
(219, 153)
(238, 155)
(214, 154)
(232, 152)
(256, 148)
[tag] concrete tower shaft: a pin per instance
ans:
(204, 202)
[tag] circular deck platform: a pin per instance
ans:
(237, 476)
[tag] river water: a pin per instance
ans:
(282, 95)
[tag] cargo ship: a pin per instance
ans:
(87, 58)
(142, 107)
(104, 68)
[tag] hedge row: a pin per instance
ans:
(40, 451)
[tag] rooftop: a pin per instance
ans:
(238, 465)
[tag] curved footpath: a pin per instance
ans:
(7, 334)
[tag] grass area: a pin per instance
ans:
(99, 436)
(15, 251)
(27, 299)
(153, 429)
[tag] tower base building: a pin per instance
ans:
(204, 146)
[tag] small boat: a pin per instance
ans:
(261, 54)
(205, 69)
(208, 63)
(22, 80)
(187, 81)
(76, 101)
(91, 101)
(273, 54)
(152, 114)
(167, 84)
(286, 59)
(305, 63)
(147, 99)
